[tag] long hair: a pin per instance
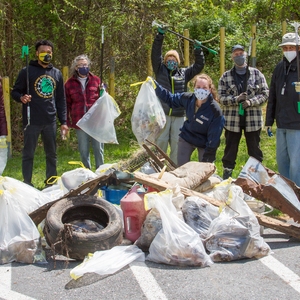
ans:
(75, 61)
(210, 84)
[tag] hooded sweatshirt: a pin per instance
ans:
(46, 88)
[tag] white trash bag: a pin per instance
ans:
(98, 121)
(19, 236)
(26, 196)
(74, 178)
(108, 261)
(176, 243)
(148, 117)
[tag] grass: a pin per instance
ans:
(67, 152)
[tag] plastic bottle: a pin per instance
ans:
(134, 214)
(63, 134)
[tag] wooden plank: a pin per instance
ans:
(86, 188)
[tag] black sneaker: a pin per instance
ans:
(227, 173)
(29, 183)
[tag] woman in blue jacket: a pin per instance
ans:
(204, 119)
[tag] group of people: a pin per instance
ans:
(195, 120)
(45, 97)
(236, 107)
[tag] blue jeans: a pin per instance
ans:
(31, 135)
(288, 153)
(170, 134)
(84, 149)
(185, 151)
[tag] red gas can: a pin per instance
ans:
(132, 205)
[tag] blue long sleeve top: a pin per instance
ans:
(202, 128)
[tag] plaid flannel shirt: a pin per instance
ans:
(257, 93)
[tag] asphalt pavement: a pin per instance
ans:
(276, 276)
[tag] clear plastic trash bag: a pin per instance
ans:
(108, 261)
(176, 243)
(148, 117)
(98, 121)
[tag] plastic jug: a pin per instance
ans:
(134, 214)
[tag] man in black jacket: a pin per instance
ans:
(284, 107)
(174, 79)
(45, 100)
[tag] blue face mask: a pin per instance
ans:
(172, 65)
(201, 94)
(83, 71)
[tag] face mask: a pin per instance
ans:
(172, 65)
(239, 60)
(45, 57)
(201, 94)
(83, 71)
(290, 55)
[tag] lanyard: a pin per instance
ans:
(286, 73)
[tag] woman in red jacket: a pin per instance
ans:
(82, 90)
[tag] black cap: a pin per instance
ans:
(235, 47)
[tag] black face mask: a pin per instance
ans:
(83, 70)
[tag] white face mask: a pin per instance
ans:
(290, 55)
(201, 94)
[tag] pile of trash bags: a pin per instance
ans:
(176, 231)
(183, 236)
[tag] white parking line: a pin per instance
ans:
(5, 285)
(282, 271)
(147, 282)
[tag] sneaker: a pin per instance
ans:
(227, 173)
(29, 183)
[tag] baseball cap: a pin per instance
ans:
(235, 47)
(289, 39)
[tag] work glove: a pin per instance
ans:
(246, 104)
(197, 45)
(269, 131)
(162, 30)
(242, 97)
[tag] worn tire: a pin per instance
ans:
(66, 241)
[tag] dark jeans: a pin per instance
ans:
(31, 135)
(232, 145)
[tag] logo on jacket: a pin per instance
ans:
(204, 118)
(44, 86)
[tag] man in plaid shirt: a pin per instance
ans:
(242, 91)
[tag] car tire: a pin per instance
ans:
(61, 235)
